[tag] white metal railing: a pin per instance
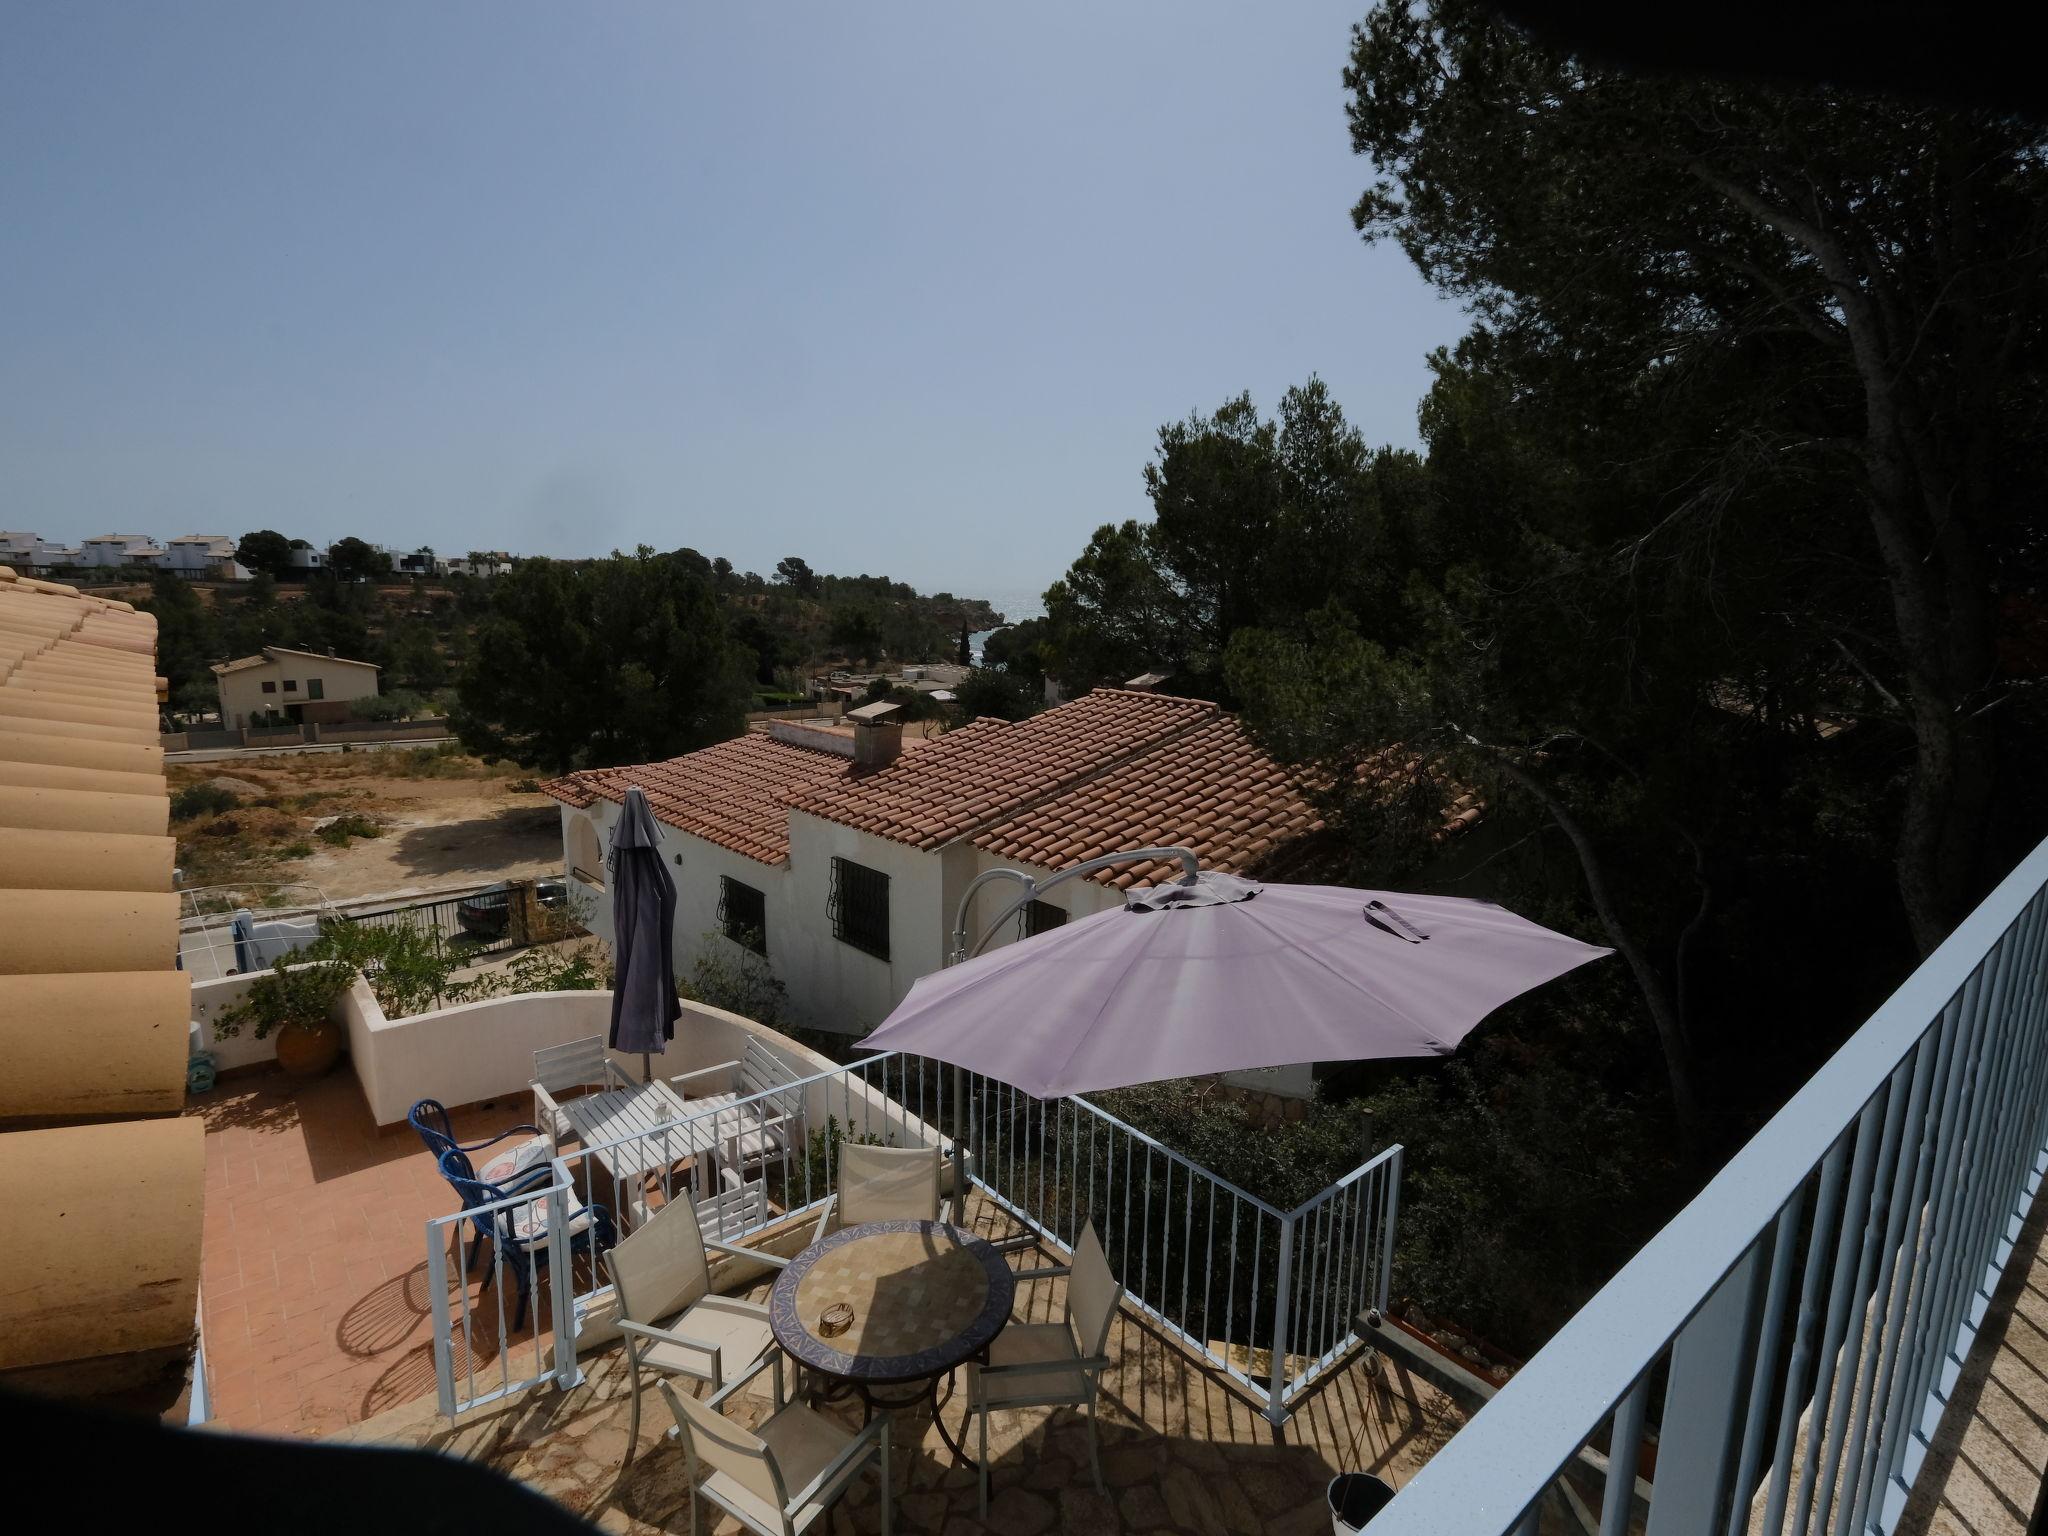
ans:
(1885, 1197)
(479, 1355)
(1271, 1299)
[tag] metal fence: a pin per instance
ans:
(483, 1349)
(1796, 1331)
(1272, 1299)
(442, 920)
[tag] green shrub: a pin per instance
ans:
(298, 993)
(527, 786)
(726, 976)
(396, 705)
(298, 850)
(406, 965)
(196, 800)
(338, 831)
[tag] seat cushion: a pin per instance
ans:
(530, 1221)
(740, 1331)
(1029, 1344)
(506, 1164)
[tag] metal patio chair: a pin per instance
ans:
(1052, 1365)
(784, 1477)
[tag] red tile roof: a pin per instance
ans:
(1113, 769)
(1208, 789)
(991, 769)
(733, 794)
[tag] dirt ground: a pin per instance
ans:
(442, 820)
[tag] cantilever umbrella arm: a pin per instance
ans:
(1189, 867)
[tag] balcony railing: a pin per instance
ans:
(1273, 1300)
(1796, 1330)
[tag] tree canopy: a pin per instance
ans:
(265, 551)
(1253, 519)
(1800, 326)
(352, 559)
(607, 661)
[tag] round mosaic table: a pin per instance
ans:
(926, 1298)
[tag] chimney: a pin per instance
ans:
(1149, 682)
(877, 739)
(330, 650)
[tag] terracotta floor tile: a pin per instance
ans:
(314, 1253)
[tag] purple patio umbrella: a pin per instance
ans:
(1225, 975)
(644, 1005)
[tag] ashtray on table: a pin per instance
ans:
(835, 1320)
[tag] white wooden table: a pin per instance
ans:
(649, 1113)
(664, 1129)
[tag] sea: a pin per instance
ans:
(1015, 604)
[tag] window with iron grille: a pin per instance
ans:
(1042, 917)
(743, 914)
(860, 907)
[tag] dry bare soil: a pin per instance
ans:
(441, 818)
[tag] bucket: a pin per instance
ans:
(1355, 1497)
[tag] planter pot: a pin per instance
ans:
(307, 1050)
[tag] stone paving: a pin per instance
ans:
(1180, 1451)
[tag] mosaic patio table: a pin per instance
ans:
(926, 1298)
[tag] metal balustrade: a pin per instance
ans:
(1795, 1332)
(1272, 1299)
(477, 1358)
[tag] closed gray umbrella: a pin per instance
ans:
(644, 1005)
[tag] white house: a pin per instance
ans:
(117, 549)
(203, 554)
(844, 852)
(478, 562)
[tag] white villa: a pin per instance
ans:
(845, 851)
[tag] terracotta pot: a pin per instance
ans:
(307, 1050)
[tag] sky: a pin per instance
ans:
(895, 288)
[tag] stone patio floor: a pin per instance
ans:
(318, 1324)
(1180, 1451)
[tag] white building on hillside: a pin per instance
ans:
(195, 555)
(118, 549)
(844, 852)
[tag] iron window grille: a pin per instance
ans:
(1042, 917)
(860, 907)
(743, 914)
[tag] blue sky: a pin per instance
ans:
(902, 288)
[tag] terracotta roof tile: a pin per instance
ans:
(991, 768)
(733, 794)
(1209, 789)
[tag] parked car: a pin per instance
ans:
(486, 914)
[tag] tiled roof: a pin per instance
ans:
(272, 652)
(734, 794)
(1113, 769)
(984, 771)
(105, 1217)
(1210, 790)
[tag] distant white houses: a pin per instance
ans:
(111, 550)
(211, 556)
(478, 562)
(36, 555)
